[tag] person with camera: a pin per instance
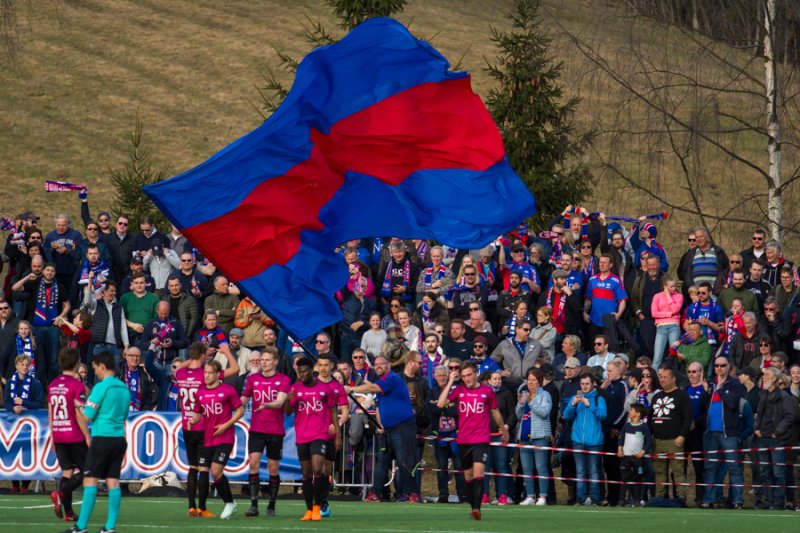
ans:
(160, 261)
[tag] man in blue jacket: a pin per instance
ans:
(722, 433)
(588, 409)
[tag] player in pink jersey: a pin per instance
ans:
(315, 422)
(66, 396)
(189, 379)
(218, 404)
(269, 390)
(476, 403)
(324, 368)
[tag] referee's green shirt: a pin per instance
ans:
(107, 408)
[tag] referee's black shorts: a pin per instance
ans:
(105, 456)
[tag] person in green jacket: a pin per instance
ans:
(698, 350)
(738, 289)
(107, 408)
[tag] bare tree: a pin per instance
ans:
(699, 127)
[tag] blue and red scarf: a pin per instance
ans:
(47, 301)
(99, 272)
(386, 288)
(441, 273)
(134, 382)
(25, 347)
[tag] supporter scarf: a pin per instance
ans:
(172, 397)
(591, 269)
(427, 365)
(386, 288)
(642, 396)
(440, 273)
(461, 286)
(99, 271)
(426, 315)
(62, 186)
(556, 251)
(520, 346)
(422, 250)
(134, 383)
(488, 272)
(25, 346)
(358, 284)
(20, 388)
(733, 327)
(47, 298)
(512, 325)
(559, 316)
(6, 224)
(656, 216)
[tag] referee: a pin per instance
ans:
(107, 408)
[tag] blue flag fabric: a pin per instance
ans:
(376, 137)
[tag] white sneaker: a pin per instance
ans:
(228, 511)
(541, 501)
(528, 501)
(493, 502)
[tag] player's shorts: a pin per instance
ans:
(71, 455)
(215, 454)
(104, 459)
(193, 442)
(473, 453)
(315, 447)
(256, 442)
(330, 451)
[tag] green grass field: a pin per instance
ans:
(34, 514)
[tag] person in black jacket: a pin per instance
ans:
(499, 456)
(670, 419)
(444, 424)
(144, 391)
(615, 390)
(773, 428)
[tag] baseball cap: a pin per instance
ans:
(749, 371)
(572, 362)
(480, 339)
(137, 259)
(29, 215)
(237, 331)
(559, 273)
(518, 247)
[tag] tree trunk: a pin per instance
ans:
(775, 203)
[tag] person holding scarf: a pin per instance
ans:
(400, 277)
(144, 393)
(24, 392)
(436, 278)
(520, 314)
(643, 239)
(518, 263)
(94, 272)
(51, 302)
(430, 313)
(24, 344)
(564, 304)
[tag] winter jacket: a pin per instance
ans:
(730, 392)
(775, 414)
(587, 428)
(508, 356)
(537, 410)
(698, 351)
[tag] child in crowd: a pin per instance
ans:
(635, 441)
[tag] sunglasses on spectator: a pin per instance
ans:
(598, 344)
(394, 306)
(358, 357)
(454, 367)
(469, 273)
(91, 229)
(762, 344)
(736, 261)
(694, 371)
(692, 240)
(122, 223)
(518, 251)
(321, 341)
(474, 308)
(773, 309)
(103, 220)
(5, 307)
(479, 345)
(758, 238)
(702, 293)
(723, 365)
(525, 329)
(186, 260)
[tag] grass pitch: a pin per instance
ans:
(22, 514)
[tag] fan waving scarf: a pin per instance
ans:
(376, 137)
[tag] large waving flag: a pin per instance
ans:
(375, 138)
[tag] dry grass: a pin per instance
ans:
(192, 67)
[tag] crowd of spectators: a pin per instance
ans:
(588, 340)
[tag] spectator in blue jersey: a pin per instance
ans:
(518, 263)
(605, 302)
(643, 239)
(707, 261)
(722, 433)
(399, 425)
(354, 245)
(708, 313)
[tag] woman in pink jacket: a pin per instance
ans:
(666, 311)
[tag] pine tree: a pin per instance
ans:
(542, 142)
(129, 199)
(350, 13)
